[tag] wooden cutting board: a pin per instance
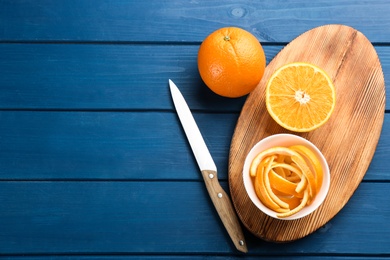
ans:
(348, 140)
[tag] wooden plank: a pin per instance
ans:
(192, 256)
(178, 21)
(74, 76)
(165, 218)
(105, 145)
(116, 146)
(80, 76)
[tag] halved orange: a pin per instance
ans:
(300, 96)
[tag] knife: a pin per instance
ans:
(208, 168)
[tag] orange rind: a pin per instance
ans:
(286, 179)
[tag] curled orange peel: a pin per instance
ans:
(286, 179)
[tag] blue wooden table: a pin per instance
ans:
(93, 161)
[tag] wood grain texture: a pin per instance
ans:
(122, 218)
(93, 161)
(225, 209)
(348, 140)
(105, 76)
(178, 21)
(110, 76)
(58, 145)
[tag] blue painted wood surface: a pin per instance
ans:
(93, 161)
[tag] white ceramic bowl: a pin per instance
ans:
(285, 140)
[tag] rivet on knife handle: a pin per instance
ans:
(225, 209)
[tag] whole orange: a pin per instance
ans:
(231, 62)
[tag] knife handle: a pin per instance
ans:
(225, 209)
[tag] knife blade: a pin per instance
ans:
(208, 169)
